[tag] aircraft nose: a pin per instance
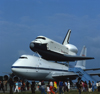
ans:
(31, 45)
(13, 69)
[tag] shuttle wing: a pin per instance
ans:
(63, 57)
(75, 58)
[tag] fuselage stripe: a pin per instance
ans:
(51, 69)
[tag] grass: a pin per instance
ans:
(71, 92)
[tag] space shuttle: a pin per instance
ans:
(54, 51)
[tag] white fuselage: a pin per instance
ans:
(32, 67)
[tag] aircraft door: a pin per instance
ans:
(37, 66)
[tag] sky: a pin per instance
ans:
(21, 21)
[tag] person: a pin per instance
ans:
(68, 84)
(27, 85)
(93, 86)
(79, 84)
(48, 89)
(5, 84)
(16, 87)
(23, 86)
(90, 86)
(11, 83)
(86, 87)
(64, 86)
(2, 87)
(33, 87)
(51, 87)
(55, 87)
(60, 87)
(43, 88)
(39, 84)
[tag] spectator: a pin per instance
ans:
(16, 87)
(90, 86)
(86, 87)
(48, 89)
(60, 87)
(27, 85)
(68, 84)
(2, 87)
(55, 87)
(79, 85)
(5, 85)
(11, 84)
(33, 87)
(51, 87)
(39, 85)
(23, 86)
(93, 86)
(43, 87)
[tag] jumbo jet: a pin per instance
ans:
(54, 51)
(33, 67)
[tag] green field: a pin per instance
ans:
(71, 92)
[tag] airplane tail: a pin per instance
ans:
(66, 39)
(82, 63)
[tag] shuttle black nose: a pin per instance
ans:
(31, 45)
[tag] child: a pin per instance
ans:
(48, 89)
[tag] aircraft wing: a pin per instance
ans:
(70, 75)
(92, 69)
(93, 74)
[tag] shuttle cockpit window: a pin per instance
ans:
(41, 38)
(22, 57)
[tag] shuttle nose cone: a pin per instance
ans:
(31, 45)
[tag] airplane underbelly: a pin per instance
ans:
(30, 73)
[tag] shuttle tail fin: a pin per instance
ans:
(66, 39)
(82, 63)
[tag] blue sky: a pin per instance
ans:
(21, 21)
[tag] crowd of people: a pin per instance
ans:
(53, 87)
(14, 86)
(83, 86)
(48, 88)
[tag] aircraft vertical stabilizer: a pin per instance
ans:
(82, 63)
(66, 39)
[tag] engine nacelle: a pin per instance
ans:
(72, 48)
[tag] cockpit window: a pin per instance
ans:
(23, 57)
(41, 38)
